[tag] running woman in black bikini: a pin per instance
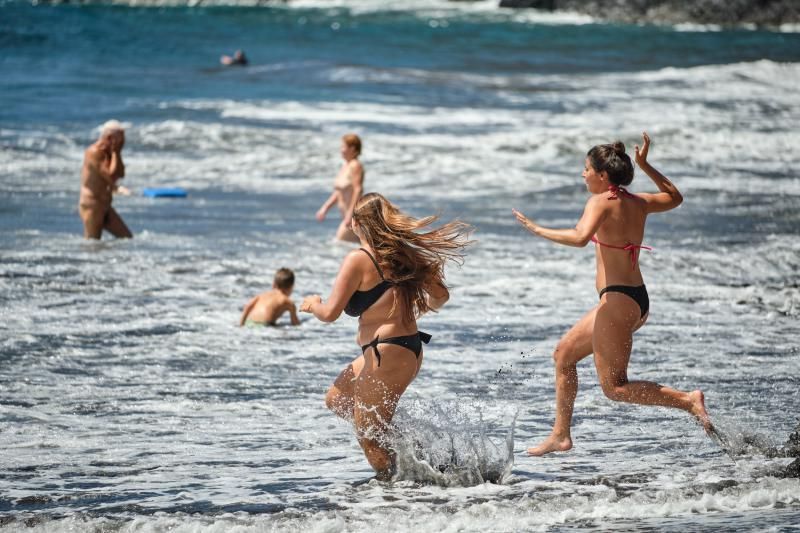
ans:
(396, 276)
(614, 219)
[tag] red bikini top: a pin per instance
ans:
(632, 249)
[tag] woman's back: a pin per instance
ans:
(618, 239)
(387, 316)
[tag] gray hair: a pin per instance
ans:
(112, 126)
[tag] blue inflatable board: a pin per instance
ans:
(164, 192)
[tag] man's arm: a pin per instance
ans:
(113, 168)
(117, 141)
(117, 171)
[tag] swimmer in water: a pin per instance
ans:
(347, 187)
(266, 308)
(614, 220)
(396, 276)
(238, 59)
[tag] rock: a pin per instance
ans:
(722, 12)
(793, 470)
(549, 5)
(792, 449)
(792, 446)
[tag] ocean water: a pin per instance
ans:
(131, 401)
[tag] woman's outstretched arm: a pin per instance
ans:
(346, 283)
(593, 215)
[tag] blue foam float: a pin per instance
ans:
(164, 192)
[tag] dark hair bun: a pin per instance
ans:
(612, 159)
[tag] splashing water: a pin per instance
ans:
(738, 442)
(743, 441)
(448, 444)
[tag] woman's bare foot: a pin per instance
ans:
(699, 411)
(553, 443)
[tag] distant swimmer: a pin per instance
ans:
(266, 308)
(102, 169)
(347, 187)
(396, 276)
(238, 59)
(614, 220)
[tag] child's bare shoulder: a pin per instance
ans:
(268, 297)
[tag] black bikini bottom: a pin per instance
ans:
(639, 295)
(411, 342)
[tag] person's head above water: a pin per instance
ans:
(284, 280)
(611, 159)
(238, 58)
(351, 146)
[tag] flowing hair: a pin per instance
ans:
(415, 259)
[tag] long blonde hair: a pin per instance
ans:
(412, 259)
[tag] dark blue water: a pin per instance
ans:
(72, 63)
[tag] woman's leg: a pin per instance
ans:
(339, 398)
(93, 219)
(573, 346)
(377, 392)
(617, 317)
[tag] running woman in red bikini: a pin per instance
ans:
(614, 219)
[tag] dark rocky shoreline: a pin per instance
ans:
(728, 13)
(766, 13)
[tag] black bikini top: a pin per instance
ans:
(360, 301)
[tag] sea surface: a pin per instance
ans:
(130, 400)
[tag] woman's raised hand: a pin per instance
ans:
(641, 153)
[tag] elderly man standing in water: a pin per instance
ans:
(102, 168)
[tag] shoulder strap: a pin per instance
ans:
(375, 262)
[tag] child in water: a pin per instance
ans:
(266, 308)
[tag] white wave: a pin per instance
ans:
(596, 507)
(691, 27)
(689, 123)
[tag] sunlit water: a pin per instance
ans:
(131, 401)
